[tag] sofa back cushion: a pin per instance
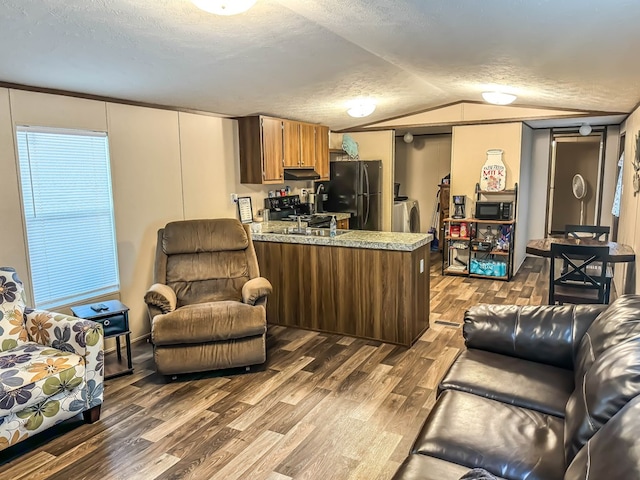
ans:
(611, 382)
(619, 322)
(207, 277)
(13, 330)
(207, 260)
(547, 334)
(614, 451)
(193, 236)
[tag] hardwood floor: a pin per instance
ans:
(322, 407)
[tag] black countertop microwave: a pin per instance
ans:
(494, 210)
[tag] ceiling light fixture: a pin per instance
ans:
(361, 107)
(498, 98)
(408, 137)
(585, 129)
(224, 7)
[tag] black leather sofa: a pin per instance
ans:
(540, 393)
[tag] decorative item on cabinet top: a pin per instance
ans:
(273, 150)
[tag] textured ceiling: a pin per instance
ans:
(304, 59)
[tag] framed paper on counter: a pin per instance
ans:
(245, 209)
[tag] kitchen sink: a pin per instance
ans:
(312, 232)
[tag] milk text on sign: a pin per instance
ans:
(493, 176)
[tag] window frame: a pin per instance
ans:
(81, 295)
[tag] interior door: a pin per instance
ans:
(574, 154)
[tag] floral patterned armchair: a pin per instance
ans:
(51, 366)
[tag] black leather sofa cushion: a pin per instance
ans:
(532, 385)
(613, 452)
(547, 334)
(619, 322)
(610, 383)
(508, 441)
(424, 467)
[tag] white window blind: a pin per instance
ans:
(68, 210)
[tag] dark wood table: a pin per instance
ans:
(618, 253)
(114, 317)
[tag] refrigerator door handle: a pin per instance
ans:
(366, 179)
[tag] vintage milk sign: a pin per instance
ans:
(494, 174)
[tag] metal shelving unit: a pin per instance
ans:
(455, 263)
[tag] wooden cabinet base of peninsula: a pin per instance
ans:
(377, 294)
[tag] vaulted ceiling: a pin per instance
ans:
(304, 59)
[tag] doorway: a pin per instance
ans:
(573, 154)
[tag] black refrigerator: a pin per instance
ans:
(356, 187)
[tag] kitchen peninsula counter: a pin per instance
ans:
(406, 242)
(372, 285)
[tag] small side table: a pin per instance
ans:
(115, 323)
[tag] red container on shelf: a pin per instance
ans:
(454, 230)
(463, 230)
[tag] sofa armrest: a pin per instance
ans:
(75, 335)
(160, 298)
(256, 291)
(547, 334)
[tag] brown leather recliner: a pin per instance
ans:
(208, 303)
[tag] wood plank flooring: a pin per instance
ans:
(322, 407)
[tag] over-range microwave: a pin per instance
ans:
(494, 210)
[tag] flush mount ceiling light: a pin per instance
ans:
(498, 98)
(585, 129)
(224, 7)
(361, 107)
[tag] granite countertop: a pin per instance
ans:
(406, 242)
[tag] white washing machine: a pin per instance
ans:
(406, 216)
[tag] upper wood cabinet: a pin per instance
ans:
(261, 151)
(307, 145)
(269, 145)
(291, 142)
(322, 152)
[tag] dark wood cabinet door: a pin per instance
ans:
(322, 151)
(272, 151)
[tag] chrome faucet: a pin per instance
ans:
(318, 203)
(299, 217)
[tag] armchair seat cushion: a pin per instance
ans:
(511, 380)
(508, 441)
(208, 322)
(32, 372)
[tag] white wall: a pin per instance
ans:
(420, 167)
(539, 179)
(525, 206)
(13, 252)
(165, 166)
(147, 193)
(37, 109)
(626, 279)
(469, 153)
(611, 157)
